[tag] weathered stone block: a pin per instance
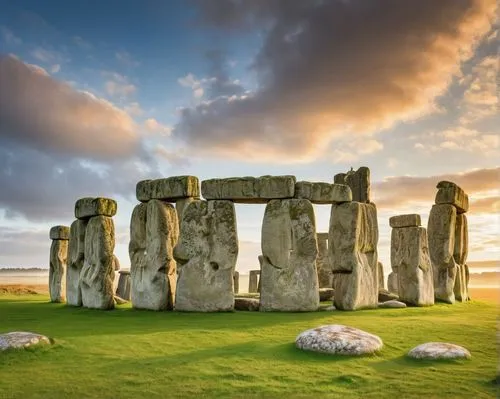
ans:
(97, 275)
(325, 274)
(441, 231)
(289, 280)
(249, 190)
(353, 238)
(450, 193)
(410, 255)
(143, 190)
(206, 256)
(174, 188)
(85, 208)
(57, 269)
(400, 221)
(323, 193)
(76, 256)
(381, 280)
(236, 282)
(253, 279)
(392, 282)
(461, 249)
(124, 285)
(359, 181)
(59, 233)
(180, 205)
(154, 276)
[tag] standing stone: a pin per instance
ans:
(410, 256)
(253, 279)
(57, 262)
(180, 205)
(97, 275)
(352, 243)
(381, 285)
(325, 275)
(236, 282)
(392, 282)
(359, 181)
(441, 230)
(154, 272)
(76, 256)
(206, 255)
(289, 279)
(460, 253)
(124, 283)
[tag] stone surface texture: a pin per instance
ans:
(59, 233)
(326, 294)
(168, 189)
(289, 279)
(76, 256)
(410, 220)
(236, 282)
(22, 339)
(392, 304)
(439, 350)
(97, 275)
(460, 253)
(206, 254)
(450, 193)
(338, 339)
(57, 269)
(253, 279)
(323, 193)
(86, 208)
(249, 304)
(381, 279)
(353, 238)
(385, 295)
(249, 190)
(154, 227)
(410, 256)
(325, 274)
(358, 181)
(392, 282)
(124, 285)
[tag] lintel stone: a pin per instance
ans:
(400, 221)
(86, 208)
(59, 233)
(450, 193)
(323, 193)
(169, 189)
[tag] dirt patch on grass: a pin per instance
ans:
(21, 289)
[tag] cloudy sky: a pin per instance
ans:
(95, 96)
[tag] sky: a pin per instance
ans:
(95, 96)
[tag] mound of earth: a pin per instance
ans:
(20, 289)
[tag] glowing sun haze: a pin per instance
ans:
(93, 99)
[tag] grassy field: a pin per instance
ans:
(130, 354)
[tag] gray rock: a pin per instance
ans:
(143, 190)
(236, 282)
(206, 254)
(439, 350)
(359, 181)
(137, 253)
(325, 274)
(124, 284)
(59, 233)
(97, 275)
(450, 193)
(119, 300)
(392, 282)
(174, 188)
(323, 193)
(441, 232)
(289, 280)
(326, 294)
(250, 304)
(352, 243)
(253, 280)
(57, 269)
(339, 178)
(410, 256)
(22, 339)
(337, 339)
(254, 295)
(249, 190)
(85, 208)
(381, 279)
(385, 295)
(392, 304)
(460, 253)
(400, 221)
(153, 284)
(180, 205)
(76, 256)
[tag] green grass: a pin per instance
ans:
(131, 354)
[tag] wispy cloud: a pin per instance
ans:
(9, 37)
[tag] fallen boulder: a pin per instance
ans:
(439, 350)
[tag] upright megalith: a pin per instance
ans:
(325, 275)
(289, 280)
(352, 244)
(253, 280)
(76, 256)
(206, 254)
(410, 257)
(358, 181)
(57, 263)
(448, 242)
(236, 282)
(98, 271)
(154, 231)
(124, 284)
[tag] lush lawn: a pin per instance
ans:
(126, 353)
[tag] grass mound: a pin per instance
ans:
(130, 354)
